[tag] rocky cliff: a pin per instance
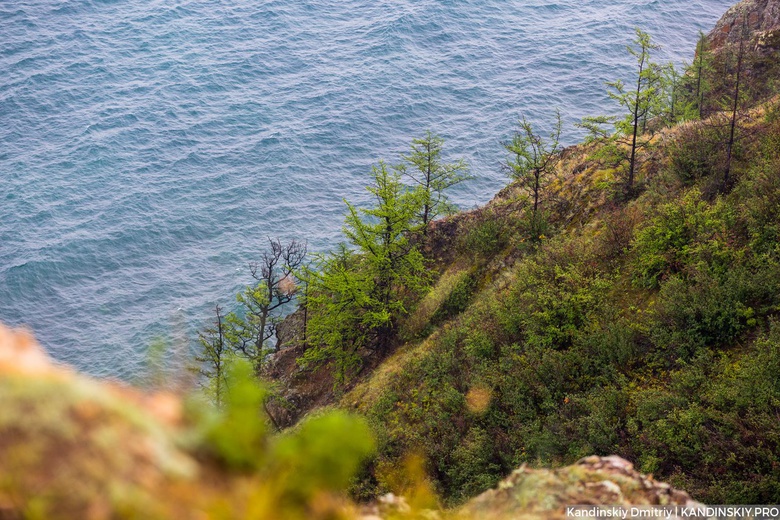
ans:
(761, 17)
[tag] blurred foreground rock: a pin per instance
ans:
(73, 447)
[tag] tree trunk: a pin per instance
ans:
(632, 161)
(735, 105)
(699, 97)
(428, 182)
(219, 368)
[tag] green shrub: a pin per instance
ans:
(613, 345)
(601, 423)
(685, 233)
(700, 312)
(473, 467)
(485, 238)
(293, 471)
(553, 303)
(708, 308)
(760, 189)
(239, 435)
(697, 152)
(321, 454)
(479, 345)
(716, 417)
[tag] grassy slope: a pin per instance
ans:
(641, 328)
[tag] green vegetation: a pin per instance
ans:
(294, 468)
(642, 102)
(250, 331)
(432, 176)
(74, 447)
(532, 165)
(214, 357)
(637, 322)
(356, 296)
(699, 70)
(642, 349)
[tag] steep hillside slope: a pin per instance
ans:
(640, 326)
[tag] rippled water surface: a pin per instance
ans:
(148, 148)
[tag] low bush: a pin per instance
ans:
(685, 233)
(697, 152)
(485, 238)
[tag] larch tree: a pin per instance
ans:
(531, 163)
(382, 234)
(424, 166)
(357, 294)
(338, 294)
(736, 98)
(251, 330)
(677, 104)
(699, 71)
(641, 100)
(213, 357)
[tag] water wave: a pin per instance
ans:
(149, 148)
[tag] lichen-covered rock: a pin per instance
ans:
(541, 493)
(762, 16)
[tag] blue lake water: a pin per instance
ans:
(148, 148)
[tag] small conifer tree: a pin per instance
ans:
(425, 168)
(532, 163)
(357, 294)
(641, 101)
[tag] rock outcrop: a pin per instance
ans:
(73, 447)
(531, 494)
(763, 20)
